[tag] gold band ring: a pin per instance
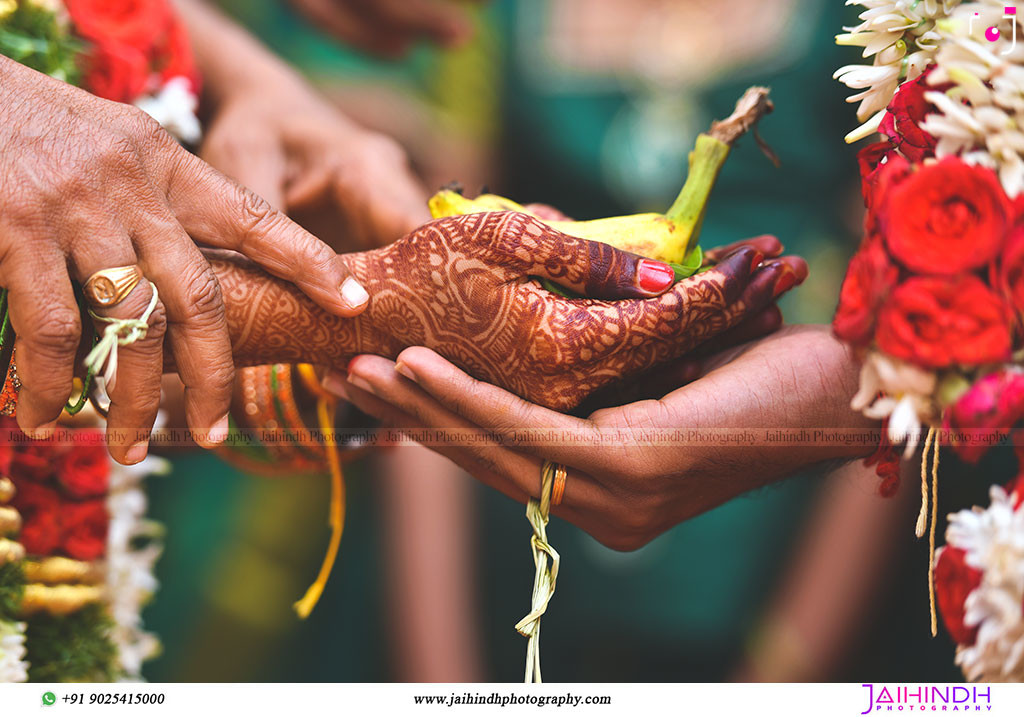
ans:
(558, 489)
(109, 287)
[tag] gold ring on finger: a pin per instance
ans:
(109, 287)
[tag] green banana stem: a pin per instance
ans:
(708, 156)
(706, 161)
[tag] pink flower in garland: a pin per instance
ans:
(985, 413)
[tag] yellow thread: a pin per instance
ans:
(922, 516)
(931, 538)
(325, 415)
(544, 578)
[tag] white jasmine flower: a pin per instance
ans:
(174, 107)
(981, 117)
(993, 542)
(130, 581)
(901, 36)
(13, 667)
(906, 398)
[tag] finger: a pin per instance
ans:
(515, 421)
(391, 203)
(442, 22)
(218, 212)
(661, 380)
(720, 286)
(757, 326)
(547, 212)
(375, 388)
(356, 29)
(134, 388)
(590, 268)
(135, 392)
(257, 163)
(767, 244)
(767, 284)
(47, 322)
(197, 329)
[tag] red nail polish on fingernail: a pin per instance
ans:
(755, 260)
(654, 276)
(784, 283)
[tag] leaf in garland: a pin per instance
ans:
(72, 648)
(12, 587)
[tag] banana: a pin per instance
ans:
(651, 234)
(670, 237)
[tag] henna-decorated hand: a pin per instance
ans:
(462, 286)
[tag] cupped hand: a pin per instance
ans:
(390, 27)
(87, 184)
(305, 157)
(463, 286)
(635, 470)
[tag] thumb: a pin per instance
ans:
(593, 269)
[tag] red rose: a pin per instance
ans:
(139, 24)
(872, 159)
(868, 280)
(936, 322)
(84, 470)
(1007, 273)
(34, 459)
(179, 60)
(116, 72)
(84, 529)
(954, 581)
(40, 510)
(903, 117)
(945, 218)
(987, 411)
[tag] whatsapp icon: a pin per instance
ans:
(49, 698)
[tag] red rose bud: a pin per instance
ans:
(945, 218)
(936, 322)
(903, 117)
(872, 159)
(868, 281)
(40, 510)
(84, 529)
(84, 471)
(987, 412)
(954, 581)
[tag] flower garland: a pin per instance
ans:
(76, 550)
(933, 301)
(82, 569)
(132, 51)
